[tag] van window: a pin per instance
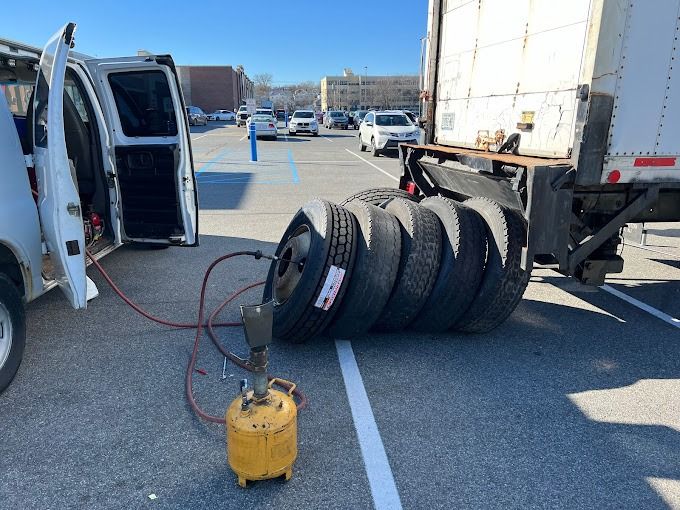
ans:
(144, 103)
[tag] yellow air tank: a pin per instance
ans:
(262, 435)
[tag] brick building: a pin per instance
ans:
(215, 87)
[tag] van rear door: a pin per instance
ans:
(58, 200)
(144, 109)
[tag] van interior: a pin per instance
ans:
(17, 84)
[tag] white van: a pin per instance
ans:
(94, 153)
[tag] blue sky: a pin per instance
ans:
(294, 40)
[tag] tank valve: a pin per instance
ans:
(261, 422)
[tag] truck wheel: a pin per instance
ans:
(12, 331)
(421, 246)
(374, 150)
(375, 270)
(318, 246)
(376, 196)
(462, 265)
(504, 281)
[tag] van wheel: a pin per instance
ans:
(12, 331)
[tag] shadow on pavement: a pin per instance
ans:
(222, 190)
(510, 416)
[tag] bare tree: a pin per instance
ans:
(385, 94)
(263, 85)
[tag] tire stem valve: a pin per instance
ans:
(261, 422)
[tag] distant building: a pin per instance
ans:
(215, 87)
(353, 91)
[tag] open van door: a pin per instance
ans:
(145, 113)
(58, 200)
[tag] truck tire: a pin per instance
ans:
(12, 331)
(461, 268)
(421, 245)
(376, 196)
(321, 239)
(375, 271)
(504, 281)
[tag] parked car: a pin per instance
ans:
(358, 117)
(381, 131)
(196, 116)
(412, 117)
(221, 115)
(303, 121)
(336, 119)
(116, 170)
(242, 116)
(265, 111)
(319, 116)
(265, 126)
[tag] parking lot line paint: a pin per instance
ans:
(374, 166)
(243, 138)
(642, 306)
(378, 471)
(326, 138)
(199, 137)
(213, 161)
(640, 247)
(293, 168)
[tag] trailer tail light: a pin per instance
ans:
(410, 187)
(654, 162)
(613, 177)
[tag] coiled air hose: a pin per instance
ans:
(209, 326)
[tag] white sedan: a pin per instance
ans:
(265, 126)
(222, 115)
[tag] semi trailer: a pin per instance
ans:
(567, 113)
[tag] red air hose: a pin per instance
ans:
(242, 363)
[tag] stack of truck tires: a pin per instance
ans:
(385, 260)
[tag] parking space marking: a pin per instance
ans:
(378, 471)
(374, 166)
(199, 137)
(213, 161)
(243, 137)
(293, 167)
(641, 247)
(326, 138)
(642, 306)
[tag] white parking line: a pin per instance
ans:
(243, 138)
(641, 247)
(374, 166)
(642, 306)
(198, 137)
(326, 138)
(378, 471)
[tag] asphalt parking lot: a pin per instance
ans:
(574, 402)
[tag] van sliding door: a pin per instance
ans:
(145, 112)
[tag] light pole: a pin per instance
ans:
(366, 85)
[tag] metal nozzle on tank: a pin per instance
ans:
(261, 422)
(257, 323)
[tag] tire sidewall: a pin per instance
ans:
(11, 299)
